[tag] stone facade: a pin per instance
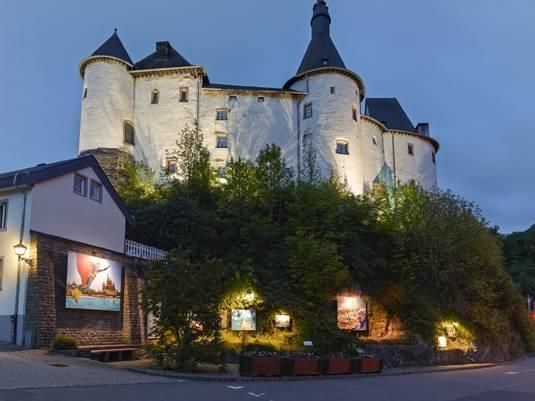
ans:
(46, 315)
(113, 162)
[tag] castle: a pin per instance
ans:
(137, 110)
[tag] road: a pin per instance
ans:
(514, 382)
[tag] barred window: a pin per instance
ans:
(308, 111)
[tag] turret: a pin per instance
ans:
(106, 126)
(329, 114)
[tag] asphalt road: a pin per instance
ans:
(514, 382)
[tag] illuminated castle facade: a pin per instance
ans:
(137, 110)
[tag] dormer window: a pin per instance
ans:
(342, 147)
(325, 61)
(155, 98)
(184, 95)
(222, 115)
(129, 132)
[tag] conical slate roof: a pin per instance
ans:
(164, 57)
(321, 51)
(113, 47)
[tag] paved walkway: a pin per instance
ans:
(38, 369)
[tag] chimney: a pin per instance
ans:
(162, 49)
(423, 129)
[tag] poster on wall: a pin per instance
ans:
(93, 283)
(283, 321)
(352, 313)
(243, 320)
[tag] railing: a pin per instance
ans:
(132, 248)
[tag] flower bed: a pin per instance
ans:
(337, 366)
(266, 366)
(301, 366)
(369, 365)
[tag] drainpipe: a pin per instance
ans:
(198, 103)
(394, 161)
(299, 155)
(15, 317)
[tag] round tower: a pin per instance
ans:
(330, 112)
(106, 127)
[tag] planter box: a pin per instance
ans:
(303, 367)
(260, 366)
(340, 366)
(370, 365)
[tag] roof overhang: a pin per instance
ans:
(83, 65)
(432, 141)
(256, 90)
(323, 70)
(195, 70)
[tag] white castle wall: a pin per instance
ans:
(252, 124)
(332, 120)
(109, 102)
(157, 125)
(373, 154)
(419, 167)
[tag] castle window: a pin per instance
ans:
(355, 114)
(3, 215)
(333, 90)
(308, 111)
(85, 92)
(221, 172)
(171, 165)
(411, 149)
(434, 156)
(155, 98)
(129, 132)
(261, 99)
(306, 141)
(222, 141)
(325, 61)
(95, 191)
(374, 140)
(342, 147)
(222, 114)
(232, 98)
(184, 95)
(80, 185)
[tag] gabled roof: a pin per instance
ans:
(389, 112)
(43, 172)
(113, 47)
(165, 56)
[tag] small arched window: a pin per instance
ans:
(155, 97)
(129, 132)
(342, 147)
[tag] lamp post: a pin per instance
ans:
(20, 249)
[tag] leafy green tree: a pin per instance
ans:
(184, 297)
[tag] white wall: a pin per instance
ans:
(57, 210)
(109, 102)
(373, 156)
(9, 238)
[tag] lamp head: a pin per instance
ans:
(20, 249)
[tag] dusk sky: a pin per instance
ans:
(465, 66)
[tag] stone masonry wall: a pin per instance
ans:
(45, 306)
(113, 162)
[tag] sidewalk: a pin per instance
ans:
(232, 375)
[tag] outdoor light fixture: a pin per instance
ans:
(442, 342)
(20, 249)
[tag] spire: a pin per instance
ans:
(321, 51)
(113, 47)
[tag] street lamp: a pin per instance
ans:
(20, 250)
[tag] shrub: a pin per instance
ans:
(62, 343)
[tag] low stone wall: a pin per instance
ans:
(46, 314)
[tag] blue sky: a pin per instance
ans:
(465, 66)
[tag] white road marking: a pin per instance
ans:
(235, 387)
(256, 395)
(511, 373)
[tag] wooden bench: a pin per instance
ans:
(111, 353)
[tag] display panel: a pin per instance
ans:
(283, 321)
(93, 283)
(352, 313)
(243, 320)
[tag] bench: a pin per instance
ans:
(111, 353)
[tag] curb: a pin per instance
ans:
(234, 379)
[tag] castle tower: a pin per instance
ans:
(106, 127)
(330, 112)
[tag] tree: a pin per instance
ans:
(184, 298)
